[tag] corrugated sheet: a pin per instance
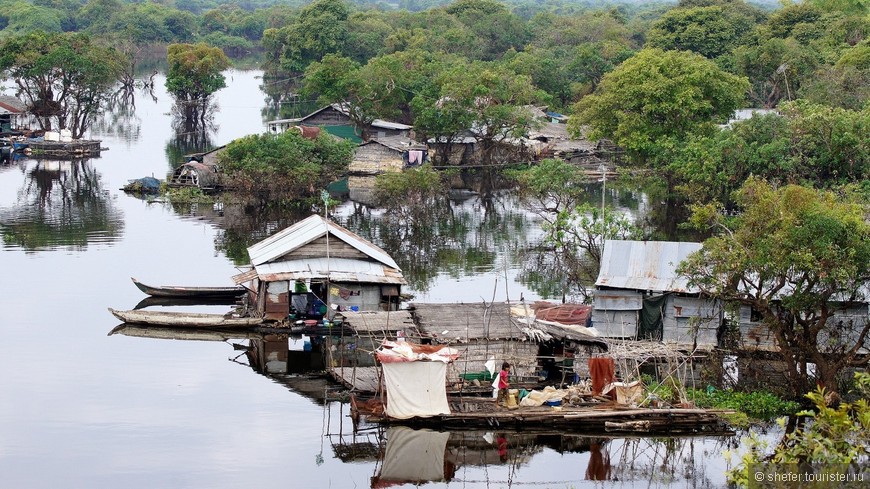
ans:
(617, 300)
(308, 230)
(338, 269)
(645, 265)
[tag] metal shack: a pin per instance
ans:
(316, 268)
(640, 296)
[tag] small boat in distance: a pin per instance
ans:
(190, 292)
(185, 319)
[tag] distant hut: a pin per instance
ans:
(336, 120)
(640, 296)
(389, 154)
(316, 268)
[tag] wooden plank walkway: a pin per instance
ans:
(358, 379)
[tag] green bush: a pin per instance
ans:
(760, 405)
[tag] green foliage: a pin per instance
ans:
(413, 187)
(188, 195)
(759, 405)
(709, 31)
(809, 144)
(286, 164)
(654, 100)
(833, 434)
(195, 71)
(64, 78)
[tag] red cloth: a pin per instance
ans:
(602, 371)
(503, 379)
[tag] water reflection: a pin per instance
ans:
(399, 456)
(61, 203)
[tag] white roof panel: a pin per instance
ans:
(645, 265)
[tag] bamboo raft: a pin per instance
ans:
(601, 417)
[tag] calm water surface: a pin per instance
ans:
(84, 409)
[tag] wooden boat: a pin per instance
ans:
(174, 333)
(151, 301)
(184, 319)
(189, 292)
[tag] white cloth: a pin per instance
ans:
(414, 455)
(416, 389)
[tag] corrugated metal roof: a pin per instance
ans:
(338, 269)
(308, 230)
(11, 105)
(645, 265)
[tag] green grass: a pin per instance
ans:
(757, 405)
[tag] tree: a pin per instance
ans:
(285, 164)
(796, 256)
(655, 99)
(321, 29)
(575, 231)
(195, 73)
(708, 31)
(486, 99)
(64, 78)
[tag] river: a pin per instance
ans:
(81, 408)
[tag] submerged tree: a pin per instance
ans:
(64, 78)
(195, 74)
(797, 256)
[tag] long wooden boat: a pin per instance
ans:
(184, 319)
(189, 292)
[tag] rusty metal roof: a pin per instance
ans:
(645, 265)
(306, 231)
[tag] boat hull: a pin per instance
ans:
(184, 320)
(190, 292)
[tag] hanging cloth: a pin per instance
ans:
(603, 371)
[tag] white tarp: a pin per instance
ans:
(414, 455)
(416, 389)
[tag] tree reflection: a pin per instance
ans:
(193, 128)
(62, 203)
(283, 100)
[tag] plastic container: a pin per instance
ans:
(557, 402)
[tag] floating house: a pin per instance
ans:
(388, 154)
(317, 268)
(336, 120)
(639, 295)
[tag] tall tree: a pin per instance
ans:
(65, 78)
(708, 31)
(195, 73)
(796, 256)
(655, 99)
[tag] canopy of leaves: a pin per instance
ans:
(195, 71)
(656, 98)
(708, 31)
(286, 164)
(63, 77)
